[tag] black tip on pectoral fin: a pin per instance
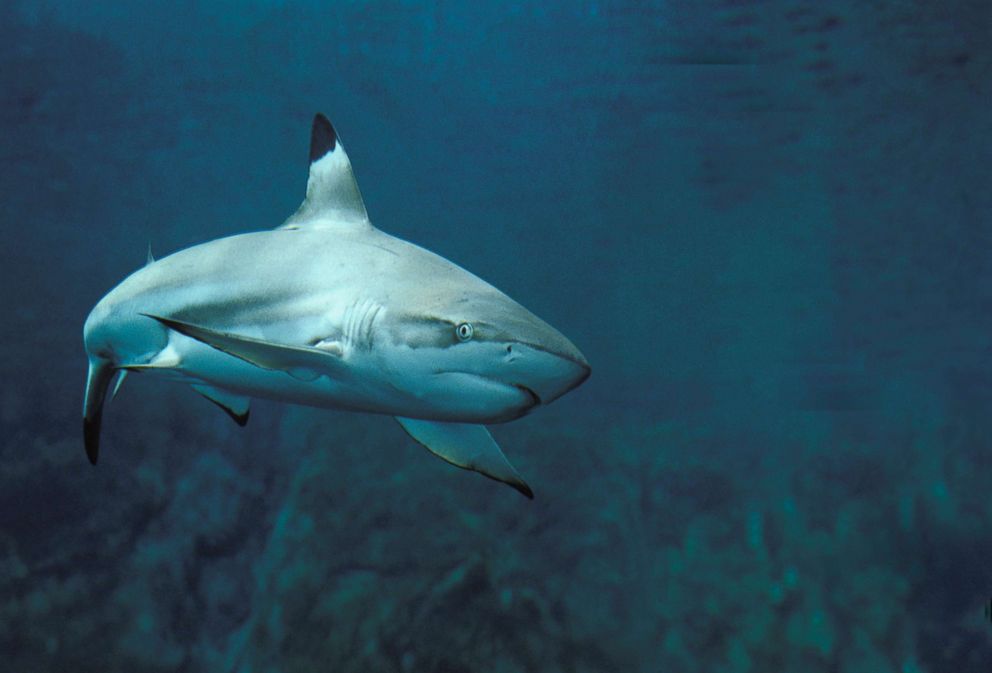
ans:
(467, 446)
(323, 138)
(522, 487)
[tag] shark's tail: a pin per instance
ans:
(97, 382)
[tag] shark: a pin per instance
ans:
(326, 310)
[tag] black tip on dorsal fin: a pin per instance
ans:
(323, 139)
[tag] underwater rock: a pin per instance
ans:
(375, 584)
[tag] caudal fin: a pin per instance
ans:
(97, 382)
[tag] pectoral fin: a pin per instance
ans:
(467, 446)
(301, 362)
(236, 406)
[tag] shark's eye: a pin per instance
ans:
(464, 331)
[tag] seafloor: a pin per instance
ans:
(767, 225)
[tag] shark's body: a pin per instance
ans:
(329, 311)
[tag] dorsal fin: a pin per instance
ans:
(333, 200)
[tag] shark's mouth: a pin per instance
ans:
(534, 398)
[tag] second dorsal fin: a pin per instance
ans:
(333, 200)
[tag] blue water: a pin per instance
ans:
(766, 224)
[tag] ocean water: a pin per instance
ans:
(767, 225)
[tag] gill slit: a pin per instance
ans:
(359, 322)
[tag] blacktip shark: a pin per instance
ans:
(328, 311)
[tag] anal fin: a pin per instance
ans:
(236, 406)
(121, 375)
(468, 446)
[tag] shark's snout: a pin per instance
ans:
(547, 375)
(537, 358)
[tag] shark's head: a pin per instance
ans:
(474, 354)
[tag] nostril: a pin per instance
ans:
(509, 349)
